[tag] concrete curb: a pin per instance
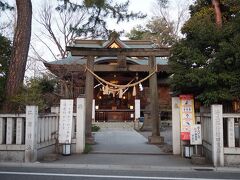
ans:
(120, 167)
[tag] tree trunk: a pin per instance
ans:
(218, 13)
(20, 50)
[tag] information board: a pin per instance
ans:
(196, 135)
(65, 121)
(137, 108)
(187, 115)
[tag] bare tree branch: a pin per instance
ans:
(39, 58)
(40, 39)
(59, 27)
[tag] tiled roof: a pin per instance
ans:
(80, 60)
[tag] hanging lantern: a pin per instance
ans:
(134, 93)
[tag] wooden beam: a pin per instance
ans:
(128, 52)
(115, 68)
(121, 61)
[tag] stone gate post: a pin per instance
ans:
(217, 135)
(31, 134)
(176, 125)
(80, 136)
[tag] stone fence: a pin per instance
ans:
(220, 134)
(221, 130)
(31, 136)
(22, 134)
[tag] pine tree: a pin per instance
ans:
(206, 62)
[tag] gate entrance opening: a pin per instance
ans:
(100, 61)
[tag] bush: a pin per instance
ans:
(95, 128)
(87, 149)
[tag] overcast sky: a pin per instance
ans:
(145, 6)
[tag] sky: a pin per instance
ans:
(145, 6)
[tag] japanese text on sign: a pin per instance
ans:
(65, 122)
(187, 115)
(196, 135)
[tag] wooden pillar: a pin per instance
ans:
(154, 104)
(89, 86)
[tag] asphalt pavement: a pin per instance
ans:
(124, 150)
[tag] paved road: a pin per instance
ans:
(28, 173)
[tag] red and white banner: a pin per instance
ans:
(187, 115)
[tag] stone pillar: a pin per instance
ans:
(154, 104)
(89, 87)
(39, 131)
(19, 131)
(80, 135)
(217, 135)
(231, 133)
(10, 130)
(42, 130)
(2, 130)
(176, 142)
(31, 134)
(45, 121)
(49, 128)
(56, 109)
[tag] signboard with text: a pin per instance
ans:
(196, 135)
(65, 121)
(137, 108)
(187, 115)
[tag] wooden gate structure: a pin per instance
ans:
(87, 57)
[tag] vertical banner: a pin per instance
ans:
(187, 115)
(65, 121)
(137, 108)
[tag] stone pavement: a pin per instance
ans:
(123, 141)
(124, 147)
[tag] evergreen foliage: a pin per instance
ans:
(206, 62)
(5, 53)
(98, 12)
(4, 6)
(157, 30)
(37, 91)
